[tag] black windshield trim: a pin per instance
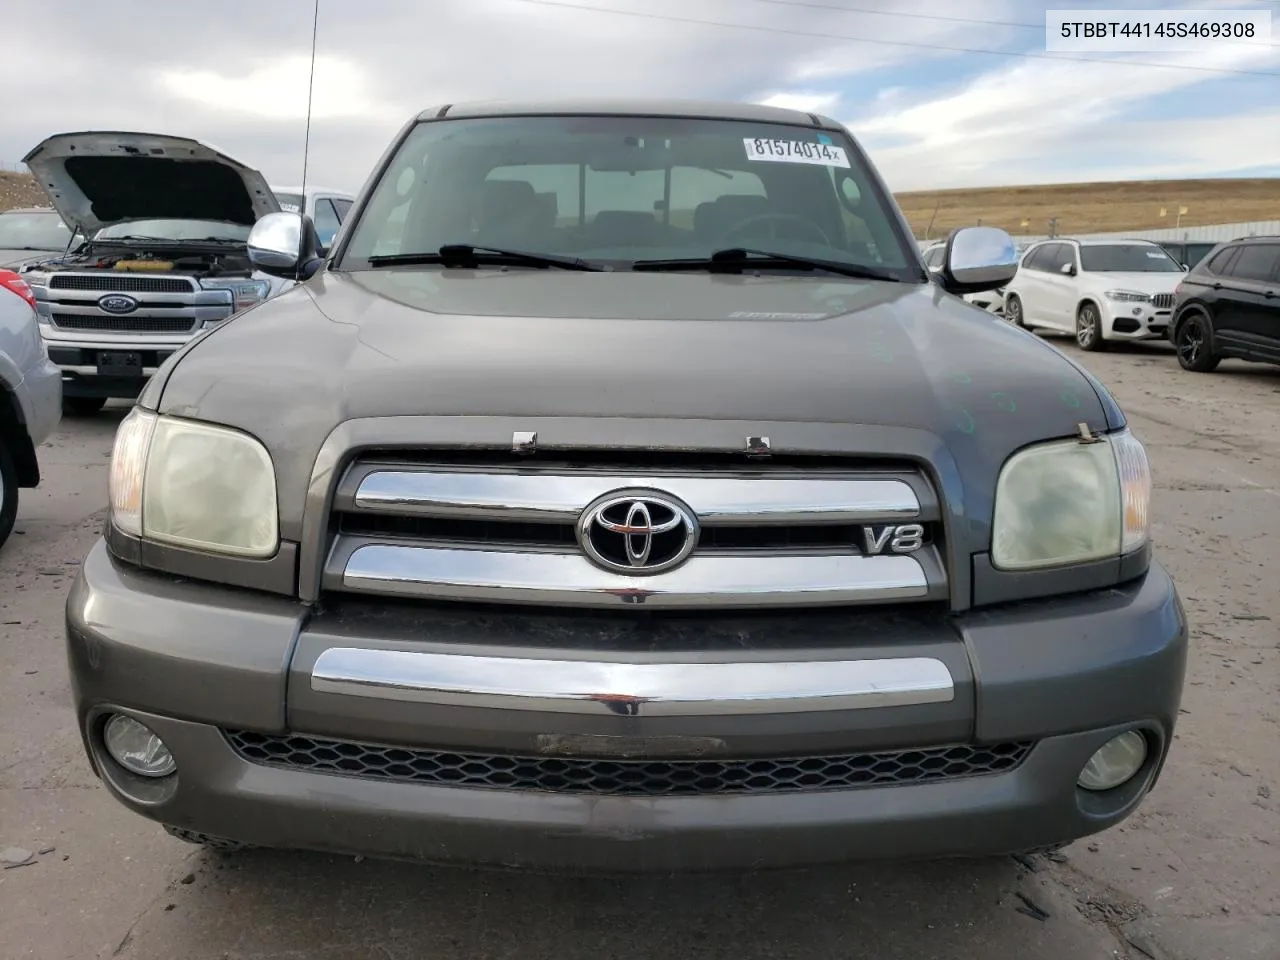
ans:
(467, 255)
(737, 259)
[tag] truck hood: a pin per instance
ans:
(98, 178)
(680, 359)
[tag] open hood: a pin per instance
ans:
(98, 178)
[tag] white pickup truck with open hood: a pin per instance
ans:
(164, 222)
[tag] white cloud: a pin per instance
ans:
(808, 102)
(1039, 120)
(341, 89)
(235, 73)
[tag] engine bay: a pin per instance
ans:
(203, 264)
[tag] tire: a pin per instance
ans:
(1193, 341)
(204, 840)
(1089, 328)
(1013, 311)
(82, 406)
(8, 492)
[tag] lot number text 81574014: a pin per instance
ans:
(795, 151)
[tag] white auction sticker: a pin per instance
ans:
(795, 151)
(1131, 31)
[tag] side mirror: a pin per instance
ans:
(284, 245)
(978, 259)
(1068, 269)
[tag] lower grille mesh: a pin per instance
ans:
(89, 321)
(626, 777)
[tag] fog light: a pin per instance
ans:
(135, 747)
(1116, 761)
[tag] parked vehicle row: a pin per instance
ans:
(162, 224)
(1105, 291)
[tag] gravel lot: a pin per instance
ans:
(1195, 875)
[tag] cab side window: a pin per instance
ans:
(1257, 262)
(933, 259)
(327, 221)
(1036, 258)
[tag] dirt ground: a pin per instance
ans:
(1194, 875)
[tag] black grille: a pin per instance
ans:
(107, 283)
(711, 538)
(626, 777)
(89, 321)
(1162, 301)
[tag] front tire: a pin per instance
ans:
(82, 406)
(1193, 341)
(1013, 311)
(8, 492)
(1089, 328)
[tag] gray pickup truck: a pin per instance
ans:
(619, 493)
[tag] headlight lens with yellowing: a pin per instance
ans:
(193, 485)
(1071, 502)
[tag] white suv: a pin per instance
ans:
(1099, 290)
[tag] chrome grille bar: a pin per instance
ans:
(552, 497)
(542, 577)
(648, 689)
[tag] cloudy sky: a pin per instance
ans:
(944, 93)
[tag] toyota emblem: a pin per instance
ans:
(637, 533)
(117, 303)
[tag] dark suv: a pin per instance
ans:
(1229, 306)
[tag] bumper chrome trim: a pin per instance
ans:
(540, 577)
(562, 497)
(632, 689)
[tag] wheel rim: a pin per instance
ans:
(1014, 311)
(1190, 342)
(1087, 327)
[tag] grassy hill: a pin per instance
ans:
(20, 190)
(1093, 207)
(1079, 207)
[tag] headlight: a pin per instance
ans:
(193, 485)
(1071, 502)
(1128, 296)
(245, 292)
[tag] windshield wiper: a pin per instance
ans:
(735, 259)
(466, 255)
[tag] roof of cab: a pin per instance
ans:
(704, 109)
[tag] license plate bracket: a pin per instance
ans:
(117, 363)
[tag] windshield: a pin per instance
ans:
(620, 189)
(175, 230)
(291, 202)
(33, 231)
(1126, 258)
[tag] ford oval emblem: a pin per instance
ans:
(117, 303)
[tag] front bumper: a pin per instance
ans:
(193, 660)
(79, 359)
(1136, 321)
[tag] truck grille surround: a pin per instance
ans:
(161, 304)
(626, 777)
(628, 535)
